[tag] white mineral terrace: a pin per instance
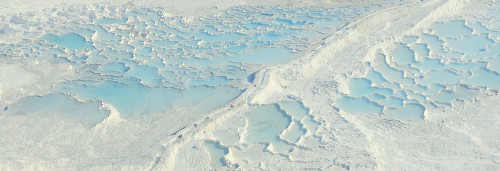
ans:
(250, 85)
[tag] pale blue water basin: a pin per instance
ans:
(294, 132)
(427, 64)
(295, 109)
(421, 51)
(265, 124)
(429, 70)
(389, 73)
(144, 63)
(145, 73)
(358, 105)
(272, 36)
(115, 68)
(263, 56)
(69, 40)
(144, 50)
(375, 77)
(470, 44)
(408, 112)
(211, 81)
(220, 37)
(136, 100)
(442, 77)
(453, 29)
(403, 55)
(289, 22)
(58, 106)
(409, 39)
(427, 90)
(494, 66)
(164, 43)
(392, 102)
(375, 97)
(110, 20)
(217, 153)
(266, 56)
(484, 78)
(361, 87)
(458, 93)
(310, 124)
(101, 34)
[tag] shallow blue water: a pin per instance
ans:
(294, 132)
(470, 44)
(265, 124)
(58, 106)
(358, 105)
(484, 78)
(143, 63)
(110, 20)
(453, 29)
(69, 40)
(403, 55)
(361, 87)
(135, 100)
(295, 109)
(408, 112)
(171, 64)
(217, 153)
(447, 65)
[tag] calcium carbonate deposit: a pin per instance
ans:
(250, 85)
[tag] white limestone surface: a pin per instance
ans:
(250, 85)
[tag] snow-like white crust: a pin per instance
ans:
(319, 133)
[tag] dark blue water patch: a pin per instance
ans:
(69, 40)
(251, 77)
(6, 108)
